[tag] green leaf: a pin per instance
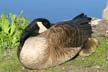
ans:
(4, 23)
(13, 25)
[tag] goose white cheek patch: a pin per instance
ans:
(41, 26)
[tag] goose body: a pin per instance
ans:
(59, 43)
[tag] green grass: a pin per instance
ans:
(99, 58)
(10, 63)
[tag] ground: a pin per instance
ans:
(97, 62)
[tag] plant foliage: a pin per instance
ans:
(11, 27)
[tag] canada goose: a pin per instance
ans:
(55, 44)
(33, 30)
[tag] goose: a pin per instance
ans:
(32, 30)
(43, 44)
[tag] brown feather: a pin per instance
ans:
(61, 39)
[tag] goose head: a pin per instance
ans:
(42, 24)
(38, 25)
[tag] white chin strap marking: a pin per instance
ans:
(41, 26)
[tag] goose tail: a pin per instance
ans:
(82, 18)
(82, 22)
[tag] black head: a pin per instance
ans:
(43, 24)
(44, 21)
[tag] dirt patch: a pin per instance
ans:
(70, 68)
